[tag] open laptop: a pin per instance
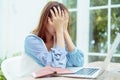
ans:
(93, 72)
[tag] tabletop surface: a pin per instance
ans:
(111, 73)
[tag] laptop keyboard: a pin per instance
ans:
(87, 71)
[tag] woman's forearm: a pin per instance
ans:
(69, 41)
(60, 39)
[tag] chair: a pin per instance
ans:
(17, 67)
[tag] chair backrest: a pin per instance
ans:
(20, 66)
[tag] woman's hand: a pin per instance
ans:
(57, 20)
(66, 19)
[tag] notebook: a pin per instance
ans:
(94, 72)
(50, 71)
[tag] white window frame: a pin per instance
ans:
(83, 27)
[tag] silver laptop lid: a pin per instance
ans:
(111, 51)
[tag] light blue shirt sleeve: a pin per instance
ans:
(75, 58)
(35, 47)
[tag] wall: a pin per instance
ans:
(18, 17)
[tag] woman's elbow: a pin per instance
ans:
(79, 62)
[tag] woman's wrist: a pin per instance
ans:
(68, 41)
(66, 34)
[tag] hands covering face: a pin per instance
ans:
(59, 19)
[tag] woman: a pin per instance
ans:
(50, 43)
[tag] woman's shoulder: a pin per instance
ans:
(32, 37)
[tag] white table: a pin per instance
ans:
(112, 73)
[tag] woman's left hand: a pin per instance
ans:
(66, 19)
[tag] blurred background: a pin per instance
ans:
(94, 25)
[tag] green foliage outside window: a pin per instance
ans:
(98, 31)
(115, 1)
(98, 2)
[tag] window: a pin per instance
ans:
(104, 25)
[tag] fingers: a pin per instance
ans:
(52, 13)
(66, 14)
(59, 10)
(62, 14)
(56, 12)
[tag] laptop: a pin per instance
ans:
(94, 72)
